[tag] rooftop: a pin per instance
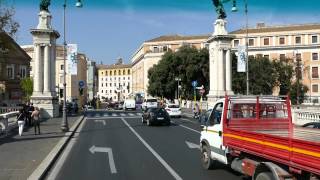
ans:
(178, 38)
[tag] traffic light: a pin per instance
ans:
(81, 91)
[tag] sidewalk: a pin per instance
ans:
(20, 156)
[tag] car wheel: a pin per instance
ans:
(264, 176)
(148, 123)
(168, 123)
(206, 161)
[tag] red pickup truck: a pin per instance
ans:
(256, 137)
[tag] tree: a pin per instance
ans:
(188, 63)
(262, 76)
(7, 23)
(27, 87)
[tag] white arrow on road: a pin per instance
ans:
(103, 121)
(192, 145)
(94, 149)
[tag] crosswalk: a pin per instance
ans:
(114, 114)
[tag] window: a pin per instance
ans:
(123, 72)
(235, 43)
(124, 78)
(23, 71)
(115, 72)
(298, 56)
(282, 57)
(315, 73)
(128, 78)
(115, 84)
(266, 41)
(128, 71)
(10, 71)
(298, 40)
(281, 40)
(119, 72)
(155, 49)
(266, 56)
(251, 42)
(165, 48)
(115, 78)
(119, 78)
(314, 39)
(215, 117)
(315, 88)
(101, 91)
(106, 84)
(61, 67)
(101, 73)
(106, 73)
(110, 73)
(110, 84)
(315, 56)
(101, 84)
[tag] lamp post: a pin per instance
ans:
(234, 9)
(64, 123)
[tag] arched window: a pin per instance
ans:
(124, 72)
(128, 71)
(115, 72)
(119, 72)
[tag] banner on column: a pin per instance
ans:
(72, 52)
(241, 64)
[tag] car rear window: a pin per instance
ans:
(151, 100)
(173, 106)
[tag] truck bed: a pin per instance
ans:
(302, 151)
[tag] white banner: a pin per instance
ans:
(241, 64)
(72, 52)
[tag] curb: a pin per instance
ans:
(41, 171)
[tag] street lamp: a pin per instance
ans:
(64, 123)
(234, 9)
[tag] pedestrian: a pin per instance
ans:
(21, 120)
(30, 110)
(36, 120)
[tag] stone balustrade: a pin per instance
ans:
(9, 109)
(6, 120)
(303, 116)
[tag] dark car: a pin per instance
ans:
(315, 125)
(156, 116)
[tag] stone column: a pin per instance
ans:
(220, 72)
(228, 71)
(53, 69)
(47, 73)
(36, 69)
(215, 69)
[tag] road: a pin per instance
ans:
(116, 145)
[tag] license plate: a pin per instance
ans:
(160, 118)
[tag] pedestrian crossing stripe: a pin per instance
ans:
(115, 114)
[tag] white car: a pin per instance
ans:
(129, 104)
(173, 110)
(150, 103)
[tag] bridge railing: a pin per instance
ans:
(7, 121)
(6, 109)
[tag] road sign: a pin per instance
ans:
(194, 83)
(81, 84)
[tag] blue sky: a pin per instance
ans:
(108, 29)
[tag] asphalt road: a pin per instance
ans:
(116, 145)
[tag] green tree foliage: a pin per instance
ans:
(188, 63)
(7, 22)
(27, 87)
(262, 77)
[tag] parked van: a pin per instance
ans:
(129, 104)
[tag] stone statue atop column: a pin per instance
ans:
(220, 56)
(44, 45)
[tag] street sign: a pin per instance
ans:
(194, 83)
(81, 84)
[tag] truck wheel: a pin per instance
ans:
(206, 160)
(265, 176)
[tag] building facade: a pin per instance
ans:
(114, 81)
(14, 66)
(297, 42)
(151, 52)
(72, 79)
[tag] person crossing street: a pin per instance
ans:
(36, 120)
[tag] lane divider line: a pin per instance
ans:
(161, 160)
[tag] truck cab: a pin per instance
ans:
(211, 137)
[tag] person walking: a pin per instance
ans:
(36, 120)
(21, 120)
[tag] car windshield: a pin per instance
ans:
(151, 100)
(173, 106)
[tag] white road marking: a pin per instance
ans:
(131, 114)
(57, 168)
(192, 145)
(190, 129)
(101, 121)
(184, 119)
(123, 114)
(114, 114)
(161, 160)
(107, 150)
